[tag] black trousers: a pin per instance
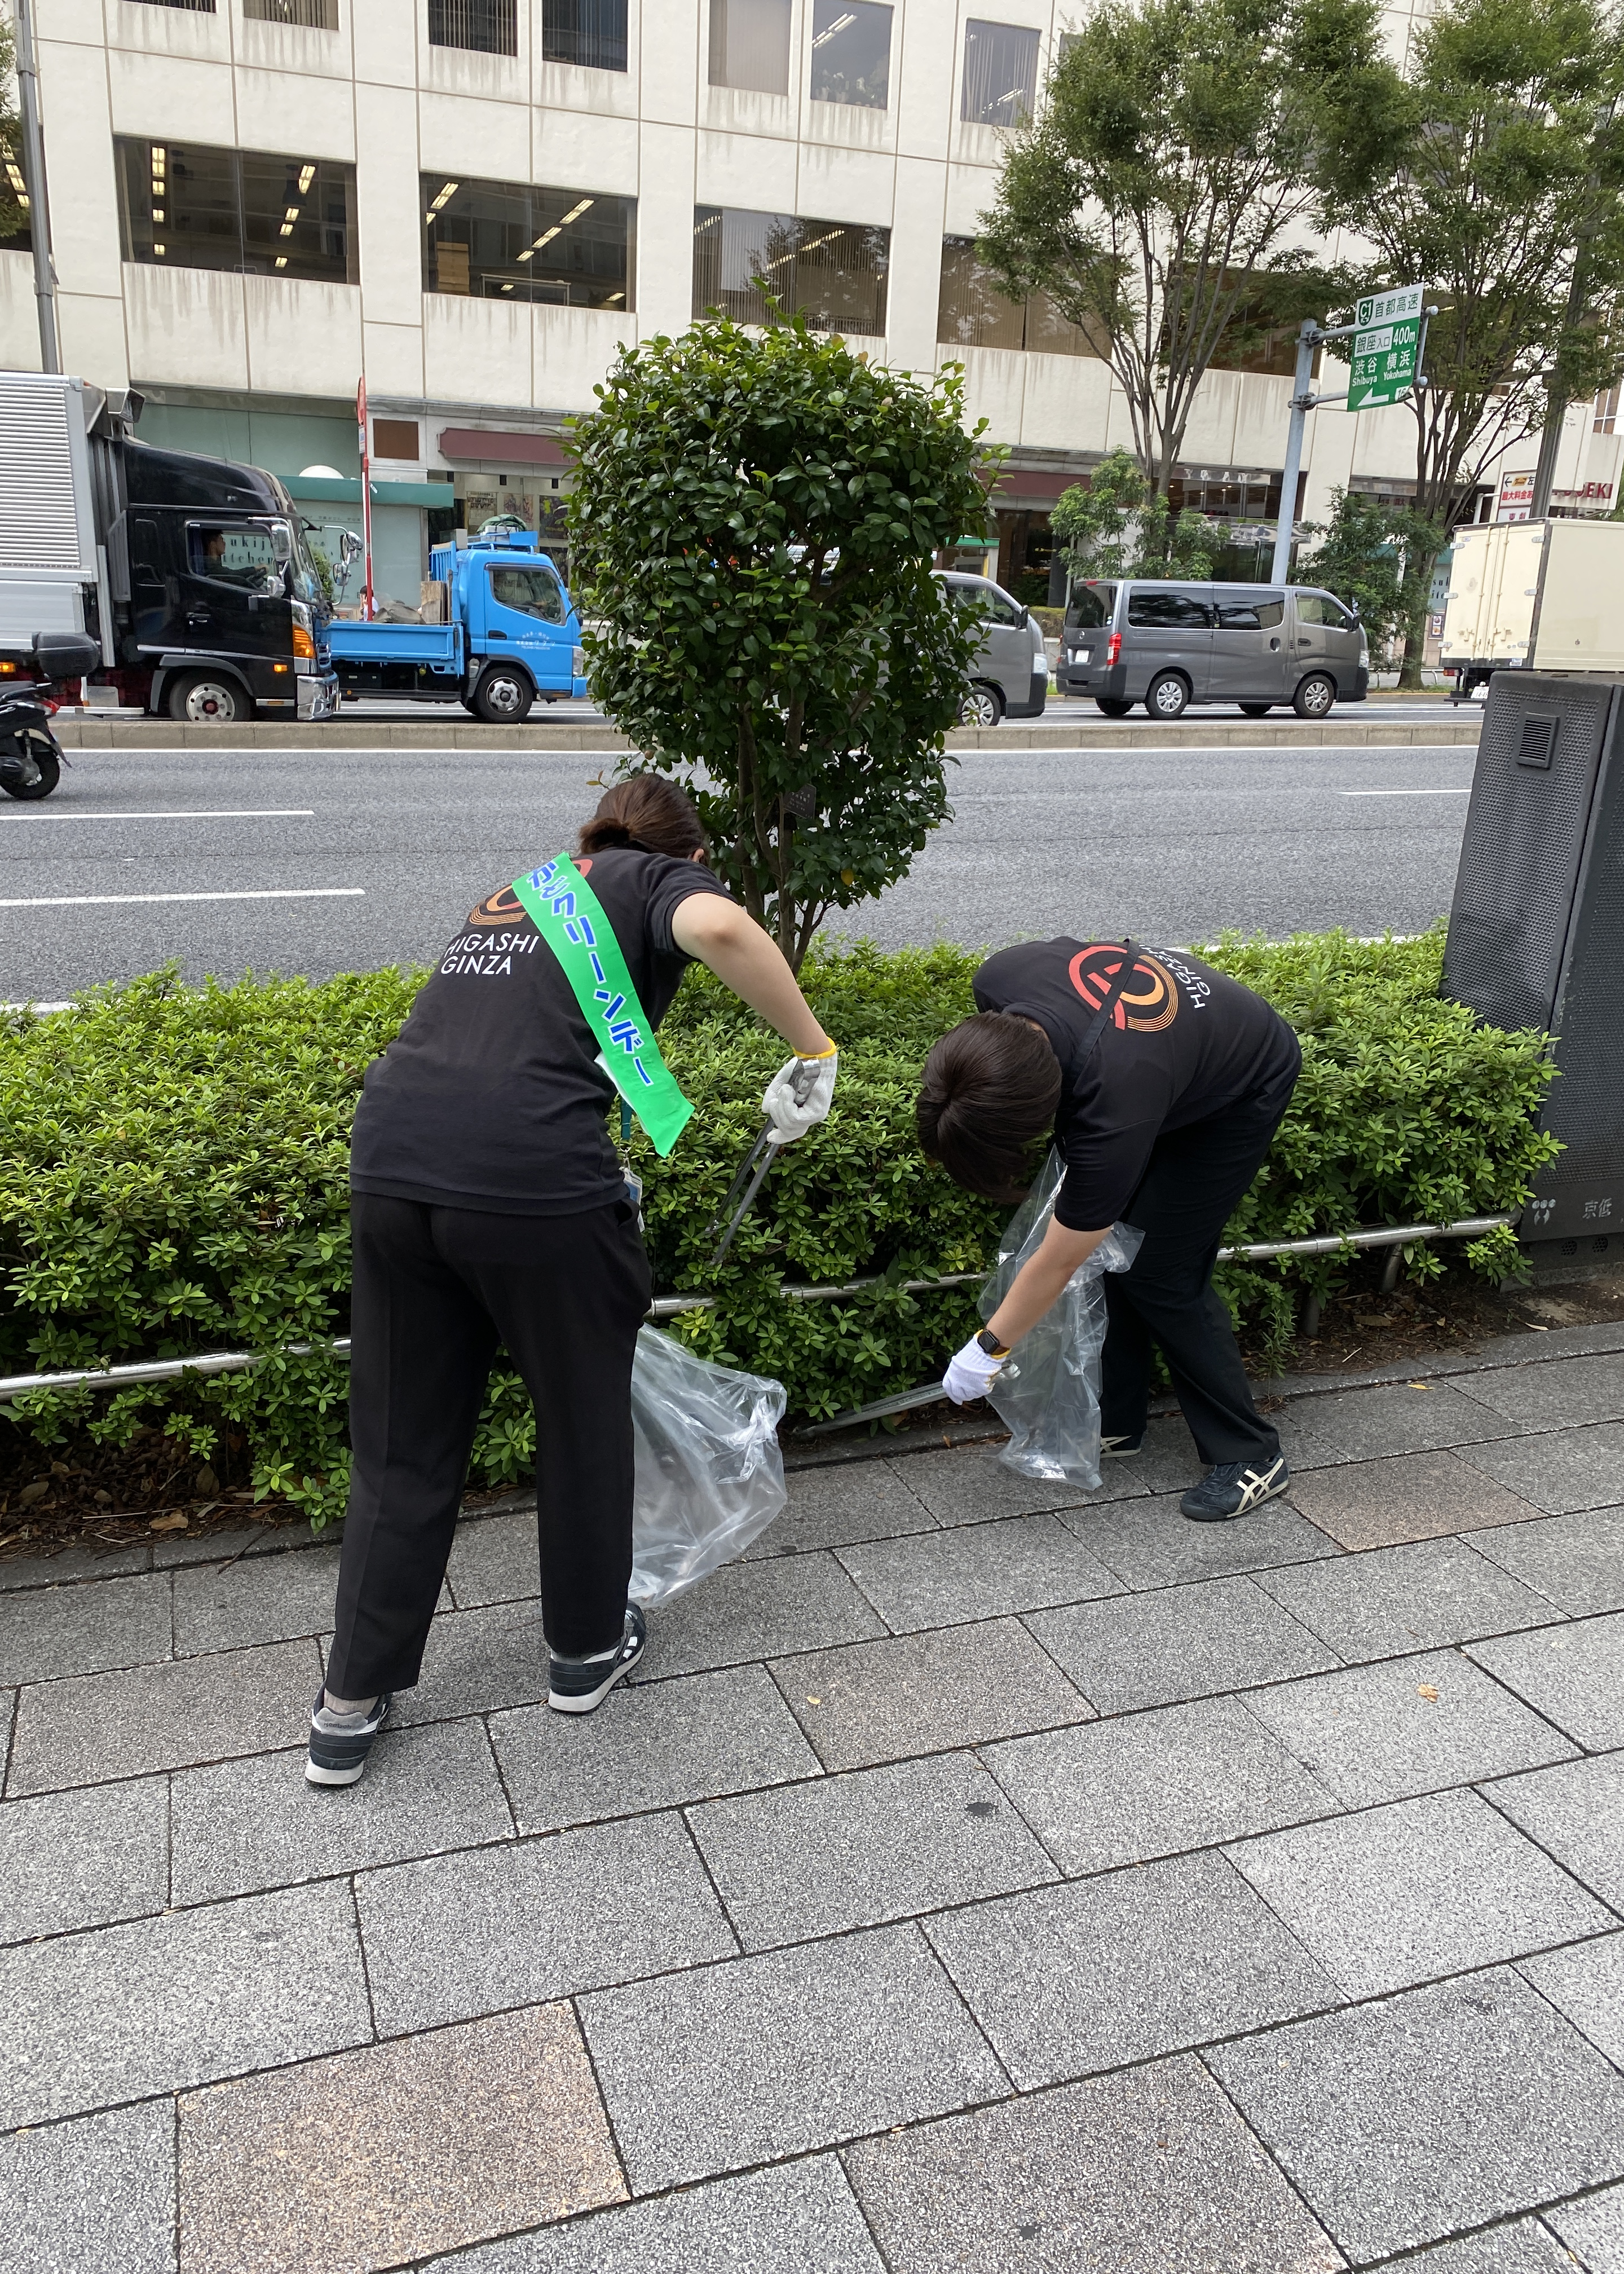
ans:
(1195, 1178)
(436, 1292)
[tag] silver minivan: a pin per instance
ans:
(1168, 645)
(1009, 672)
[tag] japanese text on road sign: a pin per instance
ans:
(1387, 347)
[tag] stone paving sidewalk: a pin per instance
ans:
(982, 1876)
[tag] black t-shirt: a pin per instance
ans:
(489, 1096)
(1183, 1042)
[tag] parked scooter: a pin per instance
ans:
(31, 758)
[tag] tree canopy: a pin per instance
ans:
(1119, 526)
(753, 525)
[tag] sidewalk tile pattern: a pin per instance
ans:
(978, 1875)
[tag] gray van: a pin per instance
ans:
(1009, 672)
(1168, 645)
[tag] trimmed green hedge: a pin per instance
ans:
(174, 1179)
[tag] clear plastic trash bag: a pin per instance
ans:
(1046, 1392)
(709, 1474)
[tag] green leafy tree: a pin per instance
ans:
(1377, 559)
(1119, 526)
(1156, 196)
(1499, 190)
(752, 524)
(13, 210)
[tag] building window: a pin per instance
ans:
(590, 33)
(1607, 410)
(750, 45)
(830, 271)
(971, 313)
(1000, 74)
(183, 205)
(314, 15)
(509, 241)
(21, 239)
(491, 27)
(851, 53)
(192, 7)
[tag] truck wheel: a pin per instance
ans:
(983, 706)
(47, 770)
(208, 698)
(504, 695)
(1114, 706)
(1314, 697)
(1168, 696)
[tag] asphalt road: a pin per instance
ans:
(224, 861)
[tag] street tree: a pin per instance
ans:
(1502, 197)
(1160, 194)
(753, 525)
(1119, 526)
(1377, 558)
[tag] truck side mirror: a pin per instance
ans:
(349, 549)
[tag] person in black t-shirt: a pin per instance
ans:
(1164, 1082)
(489, 1209)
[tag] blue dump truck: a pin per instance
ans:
(512, 639)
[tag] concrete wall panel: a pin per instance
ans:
(389, 223)
(186, 326)
(469, 343)
(666, 230)
(304, 338)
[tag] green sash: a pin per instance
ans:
(568, 914)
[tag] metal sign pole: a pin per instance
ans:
(366, 505)
(1302, 403)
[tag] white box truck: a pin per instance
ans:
(1534, 596)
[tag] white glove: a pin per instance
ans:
(970, 1373)
(799, 1095)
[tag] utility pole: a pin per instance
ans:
(1303, 400)
(33, 175)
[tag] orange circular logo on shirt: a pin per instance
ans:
(1149, 1003)
(497, 908)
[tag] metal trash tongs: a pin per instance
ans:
(751, 1176)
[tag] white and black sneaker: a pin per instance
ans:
(1122, 1449)
(1231, 1488)
(575, 1685)
(340, 1743)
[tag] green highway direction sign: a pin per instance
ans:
(1387, 347)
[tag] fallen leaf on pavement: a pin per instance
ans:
(1425, 1689)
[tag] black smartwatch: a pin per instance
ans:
(988, 1343)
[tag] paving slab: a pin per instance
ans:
(796, 2218)
(255, 1537)
(1407, 1726)
(82, 1629)
(1574, 1810)
(95, 2196)
(1525, 2247)
(494, 1559)
(976, 1571)
(18, 1573)
(124, 2012)
(1400, 1416)
(1574, 1469)
(494, 1927)
(1572, 1674)
(475, 1662)
(1167, 1462)
(1576, 1560)
(243, 1826)
(859, 1849)
(1144, 2173)
(102, 1725)
(1441, 2109)
(1398, 1895)
(650, 1744)
(1187, 1776)
(928, 1693)
(1388, 1601)
(1070, 1980)
(1594, 2229)
(1563, 1395)
(718, 2069)
(836, 1506)
(384, 2154)
(76, 1859)
(970, 1484)
(1417, 1496)
(1178, 1643)
(1148, 1544)
(1586, 1983)
(758, 1610)
(259, 1599)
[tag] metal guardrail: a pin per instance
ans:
(668, 1307)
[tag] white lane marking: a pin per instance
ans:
(1466, 792)
(130, 899)
(250, 813)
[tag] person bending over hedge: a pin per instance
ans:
(1164, 1082)
(489, 1207)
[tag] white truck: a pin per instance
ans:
(1534, 596)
